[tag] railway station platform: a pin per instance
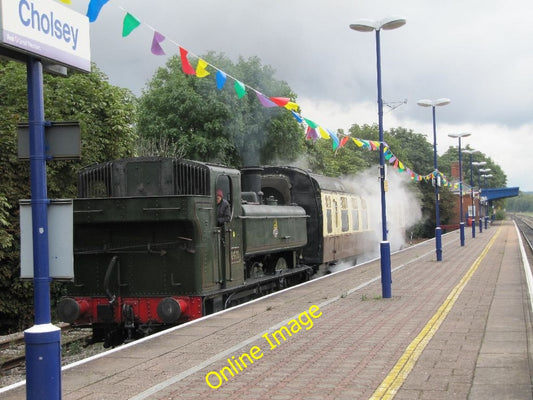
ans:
(456, 329)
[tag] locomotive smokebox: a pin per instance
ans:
(251, 181)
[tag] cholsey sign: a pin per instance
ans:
(46, 29)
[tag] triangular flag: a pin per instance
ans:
(323, 132)
(312, 124)
(358, 142)
(221, 79)
(291, 106)
(94, 9)
(130, 23)
(240, 89)
(201, 71)
(311, 134)
(156, 47)
(333, 136)
(297, 116)
(280, 101)
(265, 101)
(344, 140)
(187, 68)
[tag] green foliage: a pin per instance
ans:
(106, 117)
(522, 203)
(215, 125)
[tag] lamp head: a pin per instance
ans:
(432, 103)
(368, 25)
(459, 135)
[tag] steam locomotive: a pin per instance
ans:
(148, 253)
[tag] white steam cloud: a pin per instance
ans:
(403, 207)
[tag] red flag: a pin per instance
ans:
(280, 101)
(187, 68)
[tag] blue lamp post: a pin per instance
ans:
(369, 26)
(461, 223)
(438, 231)
(478, 164)
(471, 152)
(485, 176)
(480, 173)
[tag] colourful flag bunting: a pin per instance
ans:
(201, 71)
(94, 9)
(221, 79)
(130, 23)
(240, 89)
(297, 116)
(312, 134)
(343, 141)
(291, 106)
(358, 142)
(280, 101)
(156, 44)
(185, 65)
(312, 124)
(265, 101)
(323, 132)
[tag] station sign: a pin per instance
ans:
(47, 30)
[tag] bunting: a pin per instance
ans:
(130, 24)
(314, 131)
(156, 44)
(94, 9)
(185, 65)
(201, 71)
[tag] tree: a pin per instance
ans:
(215, 125)
(106, 115)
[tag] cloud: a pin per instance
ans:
(476, 53)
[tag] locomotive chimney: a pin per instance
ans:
(251, 181)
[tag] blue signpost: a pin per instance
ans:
(43, 347)
(26, 36)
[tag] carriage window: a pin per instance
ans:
(364, 215)
(355, 214)
(345, 223)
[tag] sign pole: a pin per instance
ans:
(43, 340)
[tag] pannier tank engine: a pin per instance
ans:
(148, 252)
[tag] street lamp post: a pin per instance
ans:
(479, 164)
(471, 152)
(366, 25)
(461, 223)
(438, 231)
(485, 176)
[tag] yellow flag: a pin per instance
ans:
(201, 72)
(323, 133)
(291, 106)
(357, 142)
(66, 1)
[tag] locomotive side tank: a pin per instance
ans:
(149, 253)
(338, 225)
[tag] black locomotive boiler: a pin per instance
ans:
(148, 252)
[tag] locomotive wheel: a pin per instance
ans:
(281, 265)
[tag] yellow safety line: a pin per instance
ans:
(400, 372)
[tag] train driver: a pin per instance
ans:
(223, 209)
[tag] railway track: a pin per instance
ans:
(12, 347)
(525, 225)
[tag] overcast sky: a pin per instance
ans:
(477, 53)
